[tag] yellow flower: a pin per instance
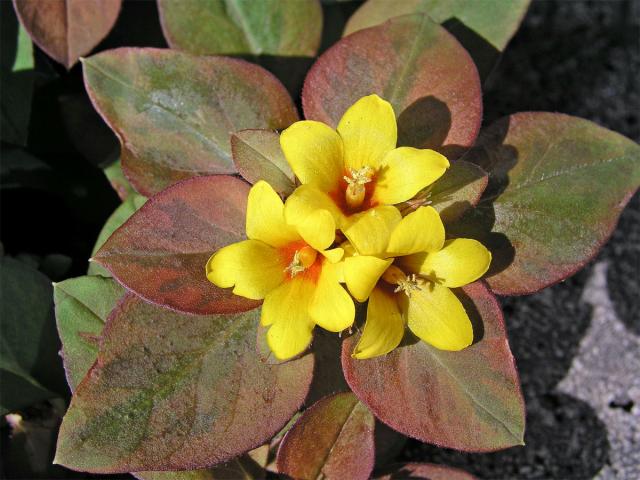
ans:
(357, 167)
(291, 268)
(406, 269)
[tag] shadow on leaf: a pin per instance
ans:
(482, 52)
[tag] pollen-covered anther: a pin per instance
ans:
(302, 259)
(356, 181)
(404, 283)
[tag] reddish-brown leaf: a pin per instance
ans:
(415, 64)
(67, 29)
(333, 439)
(161, 251)
(171, 391)
(468, 400)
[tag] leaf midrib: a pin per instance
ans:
(472, 397)
(142, 95)
(533, 183)
(165, 384)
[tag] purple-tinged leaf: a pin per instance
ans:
(415, 64)
(333, 439)
(67, 29)
(174, 112)
(177, 392)
(557, 186)
(241, 468)
(160, 253)
(120, 215)
(483, 27)
(468, 400)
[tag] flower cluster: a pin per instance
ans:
(340, 236)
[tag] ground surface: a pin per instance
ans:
(576, 344)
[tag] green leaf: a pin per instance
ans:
(67, 29)
(468, 400)
(413, 63)
(172, 392)
(236, 27)
(17, 78)
(425, 471)
(118, 181)
(161, 251)
(332, 439)
(483, 27)
(24, 52)
(117, 218)
(174, 112)
(27, 343)
(557, 186)
(459, 189)
(82, 306)
(257, 156)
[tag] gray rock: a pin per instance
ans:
(605, 374)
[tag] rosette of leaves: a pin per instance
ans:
(171, 379)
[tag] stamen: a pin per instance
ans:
(359, 176)
(404, 283)
(302, 259)
(356, 180)
(408, 285)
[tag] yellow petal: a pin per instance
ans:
(370, 231)
(286, 309)
(459, 263)
(436, 315)
(252, 267)
(334, 255)
(361, 273)
(420, 231)
(331, 307)
(265, 217)
(405, 171)
(305, 200)
(368, 130)
(318, 229)
(384, 328)
(314, 151)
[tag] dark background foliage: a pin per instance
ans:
(575, 57)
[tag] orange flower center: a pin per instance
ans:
(355, 190)
(300, 258)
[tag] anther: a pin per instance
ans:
(404, 283)
(302, 260)
(356, 181)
